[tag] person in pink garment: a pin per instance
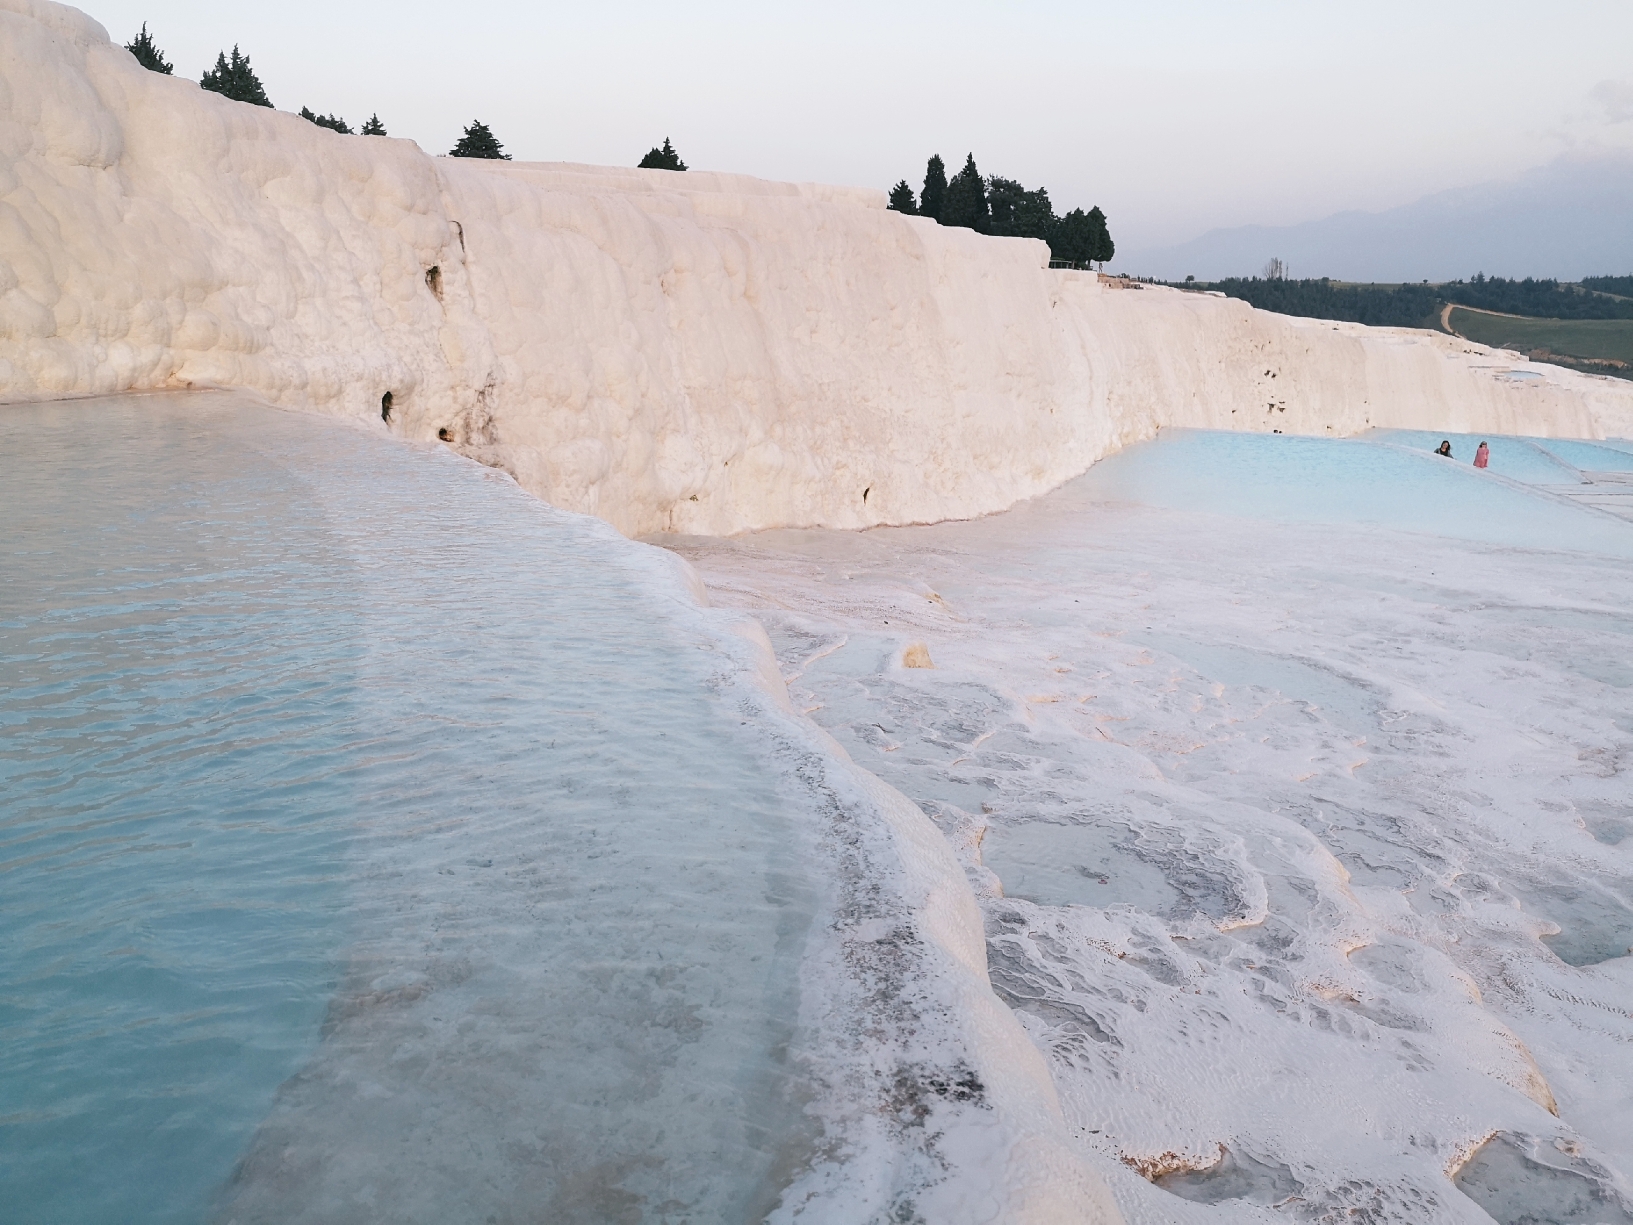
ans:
(1482, 457)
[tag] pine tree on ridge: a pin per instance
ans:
(373, 127)
(934, 194)
(1100, 238)
(662, 157)
(966, 201)
(901, 199)
(148, 54)
(479, 141)
(235, 79)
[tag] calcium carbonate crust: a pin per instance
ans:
(694, 353)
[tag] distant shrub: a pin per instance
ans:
(373, 127)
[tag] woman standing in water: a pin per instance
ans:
(1482, 457)
(1445, 448)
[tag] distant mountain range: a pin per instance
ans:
(1569, 219)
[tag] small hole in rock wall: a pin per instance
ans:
(385, 408)
(433, 279)
(444, 434)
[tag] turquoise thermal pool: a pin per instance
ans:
(374, 836)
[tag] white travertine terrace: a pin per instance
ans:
(694, 352)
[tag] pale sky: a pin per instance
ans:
(1174, 116)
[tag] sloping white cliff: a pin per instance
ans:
(687, 352)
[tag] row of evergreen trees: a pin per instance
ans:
(371, 126)
(1002, 206)
(232, 77)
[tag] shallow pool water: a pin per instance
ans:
(1589, 456)
(1518, 459)
(375, 845)
(1348, 481)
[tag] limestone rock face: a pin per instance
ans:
(700, 353)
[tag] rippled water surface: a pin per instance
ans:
(375, 844)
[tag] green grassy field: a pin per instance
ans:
(1610, 339)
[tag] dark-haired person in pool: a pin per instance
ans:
(1445, 448)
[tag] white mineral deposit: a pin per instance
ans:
(1189, 800)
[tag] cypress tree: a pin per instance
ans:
(901, 199)
(934, 195)
(333, 122)
(235, 79)
(966, 201)
(373, 127)
(147, 53)
(1103, 247)
(478, 141)
(661, 157)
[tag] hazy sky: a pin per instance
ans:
(1175, 117)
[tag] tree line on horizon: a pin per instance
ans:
(1621, 286)
(1004, 207)
(232, 77)
(1415, 306)
(1544, 298)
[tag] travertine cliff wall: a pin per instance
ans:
(689, 352)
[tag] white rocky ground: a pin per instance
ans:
(1304, 847)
